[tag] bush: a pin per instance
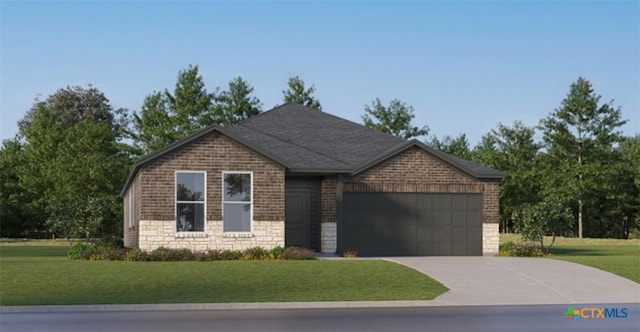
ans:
(276, 253)
(296, 253)
(350, 254)
(137, 255)
(161, 254)
(524, 250)
(256, 253)
(82, 250)
(230, 255)
(505, 247)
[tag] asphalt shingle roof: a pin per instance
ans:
(310, 139)
(306, 140)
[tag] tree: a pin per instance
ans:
(70, 159)
(579, 138)
(394, 119)
(166, 117)
(534, 221)
(236, 104)
(297, 93)
(458, 146)
(512, 150)
(15, 219)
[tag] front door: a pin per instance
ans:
(302, 213)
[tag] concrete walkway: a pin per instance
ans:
(511, 280)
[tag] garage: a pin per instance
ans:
(412, 224)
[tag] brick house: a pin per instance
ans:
(293, 176)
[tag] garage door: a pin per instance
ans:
(412, 224)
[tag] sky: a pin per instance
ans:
(463, 66)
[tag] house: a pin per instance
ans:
(293, 176)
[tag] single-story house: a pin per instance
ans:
(293, 176)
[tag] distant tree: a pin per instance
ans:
(579, 138)
(297, 93)
(458, 146)
(394, 119)
(236, 103)
(166, 117)
(512, 150)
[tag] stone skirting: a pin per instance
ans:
(328, 238)
(490, 239)
(157, 233)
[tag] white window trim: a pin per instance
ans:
(250, 231)
(176, 201)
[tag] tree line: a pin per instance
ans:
(63, 172)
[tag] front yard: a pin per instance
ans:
(39, 275)
(621, 257)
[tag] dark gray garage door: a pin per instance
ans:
(410, 224)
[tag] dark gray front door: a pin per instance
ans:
(302, 213)
(412, 224)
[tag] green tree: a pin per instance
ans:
(15, 219)
(394, 119)
(71, 162)
(512, 150)
(458, 146)
(236, 103)
(533, 221)
(166, 117)
(579, 138)
(297, 93)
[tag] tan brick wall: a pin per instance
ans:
(490, 239)
(156, 233)
(417, 171)
(213, 154)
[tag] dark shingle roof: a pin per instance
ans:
(310, 140)
(304, 140)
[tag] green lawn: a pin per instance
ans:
(621, 257)
(36, 275)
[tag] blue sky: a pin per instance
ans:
(463, 66)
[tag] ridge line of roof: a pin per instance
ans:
(294, 144)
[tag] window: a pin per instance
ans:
(190, 201)
(236, 202)
(132, 205)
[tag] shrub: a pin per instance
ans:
(82, 250)
(297, 253)
(525, 250)
(136, 255)
(504, 247)
(350, 254)
(255, 253)
(276, 253)
(230, 255)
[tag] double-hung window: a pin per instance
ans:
(236, 201)
(190, 201)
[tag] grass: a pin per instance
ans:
(39, 275)
(621, 257)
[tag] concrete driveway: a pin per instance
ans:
(510, 280)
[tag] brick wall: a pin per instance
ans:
(213, 154)
(131, 229)
(417, 171)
